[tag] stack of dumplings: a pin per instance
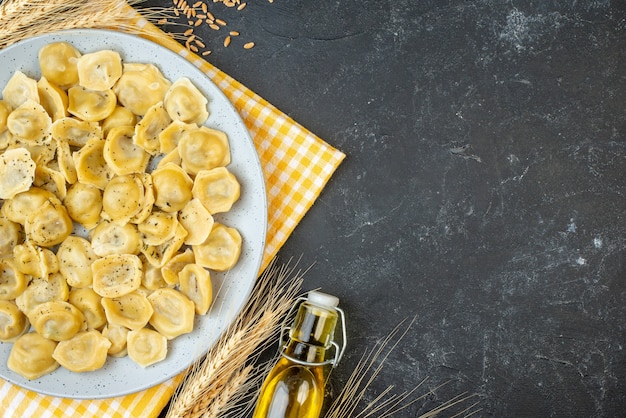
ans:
(109, 181)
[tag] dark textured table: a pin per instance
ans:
(483, 191)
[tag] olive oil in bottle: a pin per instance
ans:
(295, 386)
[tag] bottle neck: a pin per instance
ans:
(312, 332)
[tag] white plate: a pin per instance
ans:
(248, 215)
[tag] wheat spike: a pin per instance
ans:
(20, 19)
(253, 329)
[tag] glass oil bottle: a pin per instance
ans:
(294, 388)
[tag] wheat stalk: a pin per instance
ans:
(214, 381)
(212, 407)
(20, 19)
(385, 403)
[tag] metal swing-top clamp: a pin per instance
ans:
(325, 301)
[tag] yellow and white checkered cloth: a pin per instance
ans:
(296, 166)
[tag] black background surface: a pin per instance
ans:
(483, 191)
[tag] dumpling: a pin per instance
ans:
(123, 198)
(75, 257)
(121, 116)
(221, 250)
(91, 167)
(203, 149)
(184, 102)
(67, 167)
(91, 105)
(113, 238)
(152, 277)
(122, 154)
(56, 320)
(10, 236)
(140, 87)
(195, 283)
(159, 255)
(19, 89)
(12, 281)
(99, 70)
(58, 63)
(173, 312)
(149, 128)
(197, 221)
(132, 310)
(41, 291)
(116, 275)
(88, 302)
(84, 204)
(34, 260)
(158, 228)
(170, 136)
(217, 189)
(75, 132)
(173, 267)
(23, 204)
(117, 334)
(52, 99)
(13, 322)
(85, 352)
(31, 356)
(17, 172)
(172, 188)
(146, 346)
(30, 122)
(50, 179)
(49, 225)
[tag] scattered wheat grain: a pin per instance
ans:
(233, 33)
(248, 45)
(210, 16)
(241, 6)
(188, 32)
(220, 22)
(227, 41)
(199, 43)
(214, 26)
(205, 53)
(197, 4)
